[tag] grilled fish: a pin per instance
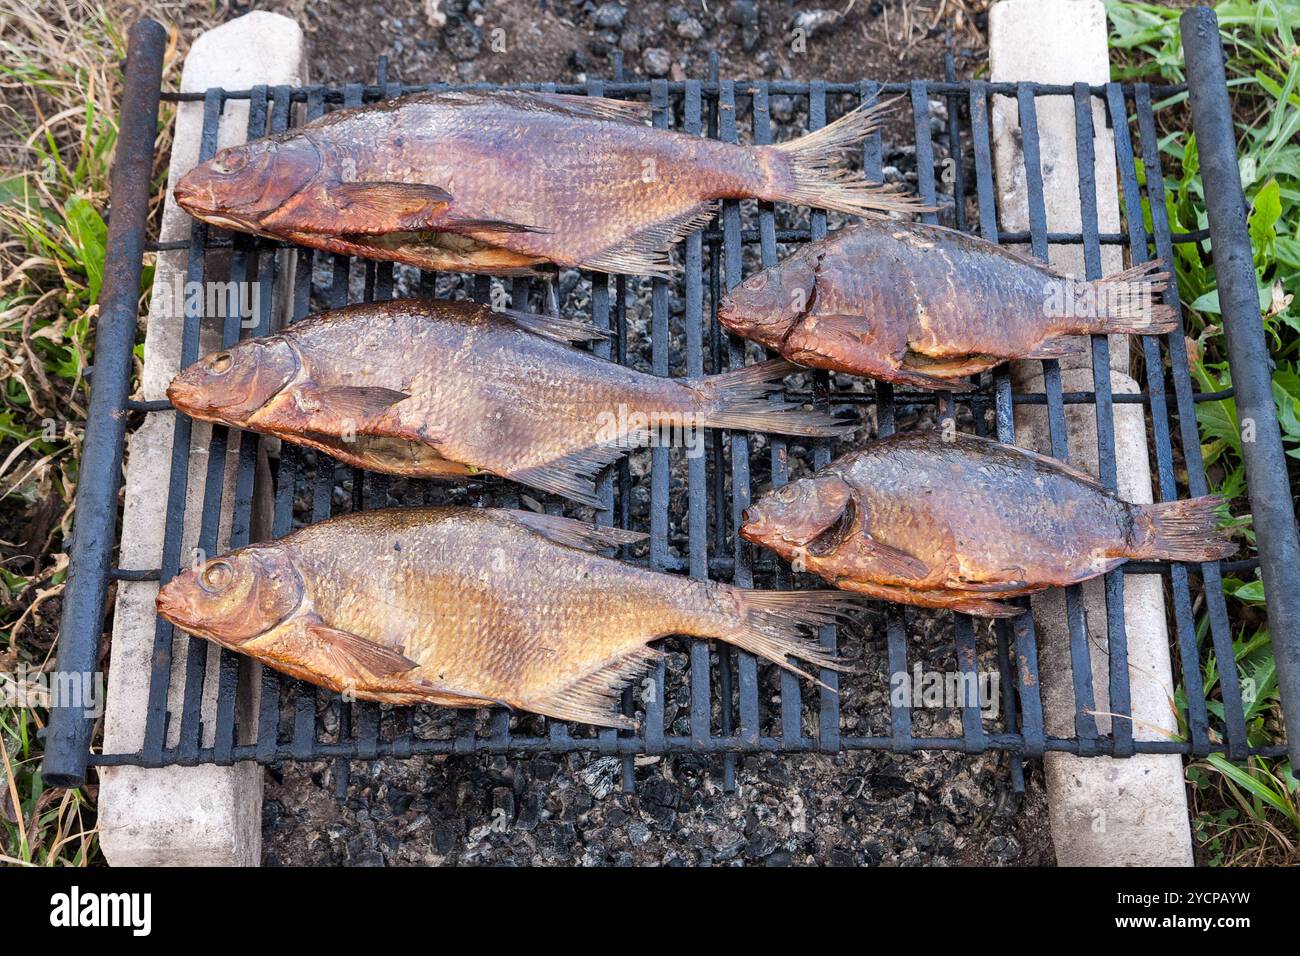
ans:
(467, 607)
(965, 522)
(430, 388)
(924, 305)
(507, 183)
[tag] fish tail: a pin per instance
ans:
(1129, 302)
(802, 171)
(1185, 530)
(773, 625)
(740, 400)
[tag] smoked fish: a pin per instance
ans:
(923, 305)
(436, 388)
(963, 522)
(469, 607)
(513, 183)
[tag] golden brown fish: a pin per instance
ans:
(430, 388)
(924, 305)
(959, 523)
(506, 182)
(468, 607)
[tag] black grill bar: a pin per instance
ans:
(710, 89)
(297, 721)
(1266, 466)
(68, 737)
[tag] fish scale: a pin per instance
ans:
(961, 522)
(430, 388)
(923, 305)
(464, 606)
(514, 183)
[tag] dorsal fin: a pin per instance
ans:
(575, 534)
(1055, 464)
(553, 327)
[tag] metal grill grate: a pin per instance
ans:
(727, 713)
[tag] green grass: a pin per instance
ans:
(1250, 814)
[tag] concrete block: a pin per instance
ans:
(1103, 811)
(186, 815)
(1055, 41)
(1108, 812)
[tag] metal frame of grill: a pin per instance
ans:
(289, 724)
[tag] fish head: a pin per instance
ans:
(236, 597)
(806, 519)
(767, 305)
(232, 384)
(241, 185)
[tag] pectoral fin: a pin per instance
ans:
(893, 561)
(359, 402)
(357, 658)
(376, 208)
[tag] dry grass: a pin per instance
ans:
(59, 90)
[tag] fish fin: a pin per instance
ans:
(388, 207)
(772, 625)
(739, 400)
(595, 107)
(445, 690)
(982, 607)
(594, 697)
(352, 401)
(645, 252)
(849, 343)
(1131, 301)
(1185, 530)
(949, 367)
(803, 174)
(359, 657)
(1058, 347)
(952, 600)
(1055, 464)
(573, 476)
(575, 534)
(486, 225)
(553, 327)
(894, 561)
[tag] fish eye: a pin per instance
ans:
(216, 576)
(756, 283)
(231, 162)
(220, 363)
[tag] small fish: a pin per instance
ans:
(434, 388)
(513, 183)
(927, 306)
(963, 522)
(467, 607)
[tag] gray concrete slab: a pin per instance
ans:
(1103, 811)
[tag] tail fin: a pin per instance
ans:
(739, 400)
(1129, 303)
(1185, 530)
(771, 623)
(802, 172)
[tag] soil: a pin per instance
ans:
(936, 808)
